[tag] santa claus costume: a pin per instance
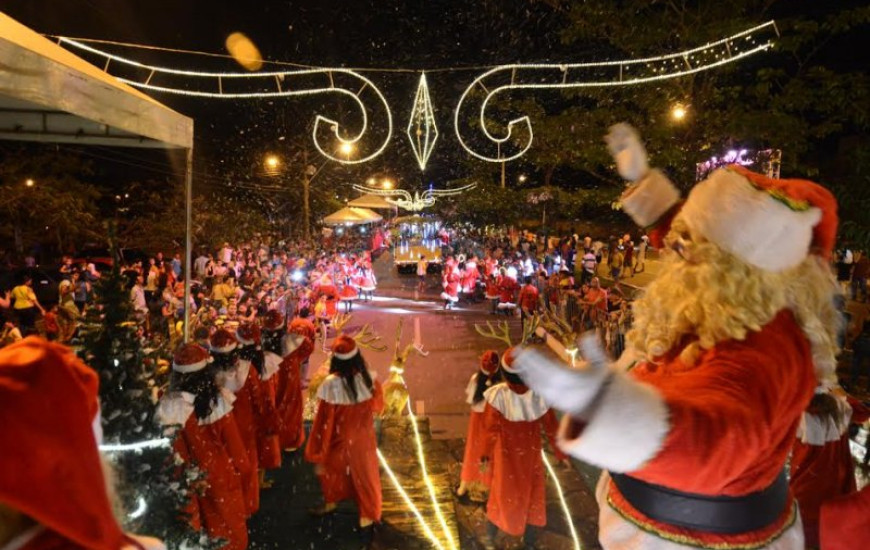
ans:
(366, 280)
(470, 276)
(348, 294)
(514, 418)
(325, 300)
(728, 345)
(822, 467)
(209, 438)
(342, 443)
(262, 433)
(450, 283)
(507, 291)
(491, 292)
(298, 347)
(474, 477)
(53, 492)
(272, 337)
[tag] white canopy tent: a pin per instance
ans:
(352, 216)
(49, 95)
(372, 201)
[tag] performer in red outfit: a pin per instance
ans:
(54, 494)
(342, 443)
(514, 418)
(298, 347)
(844, 524)
(507, 291)
(210, 439)
(272, 335)
(450, 283)
(728, 345)
(822, 467)
(473, 476)
(252, 401)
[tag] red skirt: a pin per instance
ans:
(269, 447)
(475, 447)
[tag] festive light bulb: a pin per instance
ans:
(398, 486)
(678, 112)
(562, 501)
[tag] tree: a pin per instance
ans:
(153, 488)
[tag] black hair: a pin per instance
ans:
(202, 385)
(225, 361)
(484, 382)
(273, 340)
(513, 378)
(825, 404)
(254, 354)
(347, 370)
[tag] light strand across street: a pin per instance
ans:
(398, 486)
(138, 446)
(562, 501)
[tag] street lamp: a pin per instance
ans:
(387, 183)
(346, 148)
(29, 182)
(522, 178)
(678, 112)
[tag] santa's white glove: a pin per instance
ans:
(571, 390)
(624, 144)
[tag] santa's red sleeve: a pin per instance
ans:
(492, 427)
(322, 428)
(264, 410)
(551, 426)
(191, 509)
(234, 445)
(652, 202)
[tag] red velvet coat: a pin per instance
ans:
(513, 423)
(269, 444)
(214, 445)
(476, 440)
(290, 402)
(342, 443)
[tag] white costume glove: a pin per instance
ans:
(624, 144)
(571, 390)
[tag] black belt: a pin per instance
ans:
(720, 514)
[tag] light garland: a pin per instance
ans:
(602, 75)
(421, 126)
(140, 509)
(562, 501)
(428, 481)
(138, 446)
(275, 78)
(418, 201)
(426, 529)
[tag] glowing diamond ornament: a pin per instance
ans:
(422, 130)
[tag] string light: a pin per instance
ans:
(140, 509)
(428, 481)
(418, 201)
(426, 529)
(274, 78)
(562, 501)
(716, 54)
(138, 446)
(422, 130)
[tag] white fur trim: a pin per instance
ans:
(223, 407)
(234, 380)
(332, 390)
(507, 367)
(368, 288)
(445, 296)
(224, 349)
(97, 426)
(749, 223)
(174, 408)
(614, 531)
(625, 429)
(193, 367)
(515, 407)
(292, 342)
(507, 305)
(348, 355)
(243, 341)
(271, 365)
(649, 199)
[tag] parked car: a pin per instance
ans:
(45, 283)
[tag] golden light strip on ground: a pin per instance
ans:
(428, 481)
(426, 529)
(565, 509)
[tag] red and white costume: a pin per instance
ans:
(50, 465)
(492, 288)
(514, 418)
(325, 298)
(262, 404)
(213, 443)
(366, 280)
(450, 283)
(298, 346)
(343, 443)
(722, 426)
(507, 292)
(476, 440)
(470, 277)
(844, 524)
(822, 467)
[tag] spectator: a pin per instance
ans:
(137, 297)
(421, 273)
(859, 276)
(615, 261)
(81, 290)
(26, 306)
(528, 300)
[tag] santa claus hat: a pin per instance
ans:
(50, 466)
(489, 362)
(507, 361)
(222, 341)
(248, 334)
(303, 327)
(773, 224)
(273, 320)
(344, 347)
(190, 358)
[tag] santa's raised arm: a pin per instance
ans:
(694, 423)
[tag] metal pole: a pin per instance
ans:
(502, 175)
(188, 215)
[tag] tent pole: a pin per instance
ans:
(188, 215)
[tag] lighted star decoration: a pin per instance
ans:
(416, 202)
(422, 130)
